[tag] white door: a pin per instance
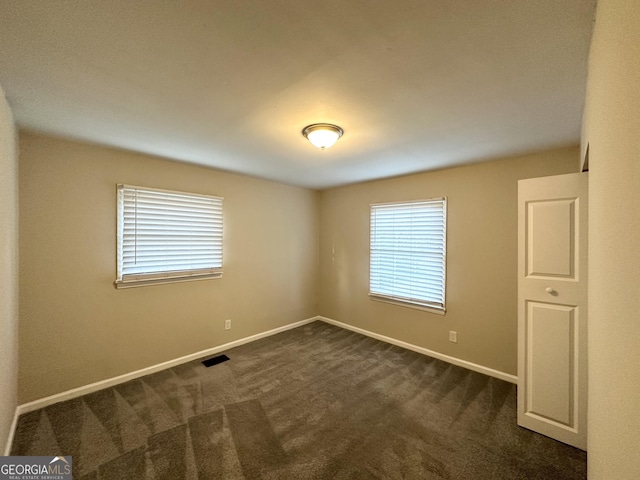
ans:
(552, 307)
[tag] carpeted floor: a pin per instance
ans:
(317, 402)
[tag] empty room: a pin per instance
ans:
(320, 240)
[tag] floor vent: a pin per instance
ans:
(215, 360)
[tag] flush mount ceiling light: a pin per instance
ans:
(322, 135)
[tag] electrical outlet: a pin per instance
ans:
(453, 336)
(227, 324)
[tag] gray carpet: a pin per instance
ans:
(317, 402)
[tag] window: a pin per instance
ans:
(408, 253)
(166, 236)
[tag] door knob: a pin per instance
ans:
(550, 290)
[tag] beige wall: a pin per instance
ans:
(8, 271)
(612, 131)
(76, 328)
(481, 257)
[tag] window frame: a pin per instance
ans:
(415, 303)
(160, 276)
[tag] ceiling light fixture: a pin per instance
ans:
(322, 135)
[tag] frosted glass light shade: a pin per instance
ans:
(322, 135)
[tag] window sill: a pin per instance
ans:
(408, 304)
(144, 282)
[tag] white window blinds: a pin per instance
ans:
(167, 236)
(408, 252)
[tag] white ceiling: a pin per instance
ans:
(415, 84)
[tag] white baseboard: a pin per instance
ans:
(110, 382)
(425, 351)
